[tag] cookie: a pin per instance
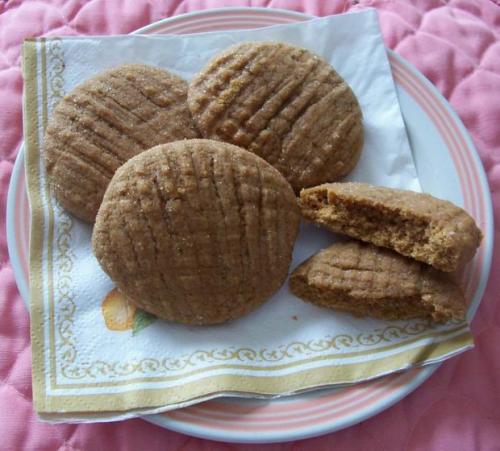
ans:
(283, 103)
(417, 225)
(197, 231)
(105, 121)
(366, 280)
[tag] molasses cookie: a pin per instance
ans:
(283, 103)
(105, 121)
(197, 231)
(417, 225)
(371, 281)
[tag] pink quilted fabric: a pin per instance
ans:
(456, 44)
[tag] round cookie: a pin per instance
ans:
(197, 231)
(283, 103)
(105, 121)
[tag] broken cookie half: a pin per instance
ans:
(366, 280)
(417, 225)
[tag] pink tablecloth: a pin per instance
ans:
(456, 44)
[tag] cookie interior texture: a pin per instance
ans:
(105, 121)
(283, 103)
(414, 224)
(197, 231)
(366, 280)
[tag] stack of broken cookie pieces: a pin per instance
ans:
(193, 191)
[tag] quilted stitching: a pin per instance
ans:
(456, 44)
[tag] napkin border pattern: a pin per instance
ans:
(64, 257)
(152, 366)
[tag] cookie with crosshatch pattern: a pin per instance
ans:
(197, 231)
(367, 280)
(106, 120)
(285, 104)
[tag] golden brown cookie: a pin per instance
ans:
(371, 281)
(417, 225)
(105, 121)
(283, 103)
(197, 231)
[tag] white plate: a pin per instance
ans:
(448, 167)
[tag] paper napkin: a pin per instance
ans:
(97, 359)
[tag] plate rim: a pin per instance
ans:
(199, 431)
(324, 428)
(14, 258)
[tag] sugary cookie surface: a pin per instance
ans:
(283, 103)
(197, 231)
(371, 281)
(107, 120)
